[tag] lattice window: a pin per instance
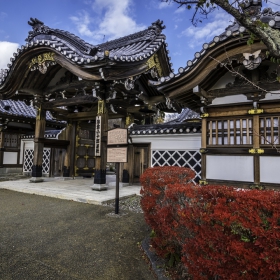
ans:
(46, 161)
(269, 130)
(230, 132)
(190, 159)
(28, 160)
(11, 140)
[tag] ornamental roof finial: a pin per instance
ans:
(34, 22)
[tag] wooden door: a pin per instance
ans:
(57, 162)
(141, 161)
(85, 159)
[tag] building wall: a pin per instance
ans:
(174, 150)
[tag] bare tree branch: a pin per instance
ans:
(268, 35)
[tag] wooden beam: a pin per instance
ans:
(79, 84)
(52, 143)
(78, 100)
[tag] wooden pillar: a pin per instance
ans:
(38, 146)
(2, 144)
(68, 162)
(256, 145)
(127, 172)
(101, 145)
(203, 148)
(130, 167)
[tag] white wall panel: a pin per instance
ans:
(236, 168)
(170, 142)
(10, 158)
(269, 169)
(240, 98)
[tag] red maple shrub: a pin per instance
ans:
(215, 230)
(158, 214)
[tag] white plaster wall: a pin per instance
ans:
(10, 158)
(273, 95)
(269, 169)
(237, 168)
(240, 98)
(170, 142)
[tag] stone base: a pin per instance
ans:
(99, 187)
(36, 180)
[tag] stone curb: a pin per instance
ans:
(157, 263)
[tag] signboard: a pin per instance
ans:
(98, 136)
(117, 136)
(117, 154)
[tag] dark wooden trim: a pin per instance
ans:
(228, 150)
(11, 165)
(256, 169)
(230, 183)
(241, 184)
(203, 166)
(52, 143)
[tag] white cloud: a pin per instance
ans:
(211, 29)
(180, 10)
(163, 5)
(6, 52)
(111, 18)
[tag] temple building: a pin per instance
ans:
(84, 85)
(235, 87)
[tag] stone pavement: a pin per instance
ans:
(78, 189)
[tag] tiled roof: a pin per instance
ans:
(266, 16)
(20, 109)
(135, 47)
(53, 134)
(186, 115)
(179, 127)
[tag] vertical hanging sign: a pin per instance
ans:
(98, 136)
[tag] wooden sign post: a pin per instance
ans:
(117, 152)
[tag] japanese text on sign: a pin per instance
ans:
(98, 136)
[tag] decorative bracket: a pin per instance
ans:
(255, 111)
(256, 151)
(153, 63)
(42, 62)
(203, 182)
(257, 187)
(205, 115)
(101, 107)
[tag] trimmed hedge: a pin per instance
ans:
(212, 230)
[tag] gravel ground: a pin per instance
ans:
(47, 238)
(130, 203)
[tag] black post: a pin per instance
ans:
(117, 188)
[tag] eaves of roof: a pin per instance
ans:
(231, 32)
(192, 126)
(133, 48)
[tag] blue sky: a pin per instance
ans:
(97, 21)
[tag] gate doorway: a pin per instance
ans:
(57, 162)
(141, 154)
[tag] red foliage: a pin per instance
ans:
(216, 230)
(154, 182)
